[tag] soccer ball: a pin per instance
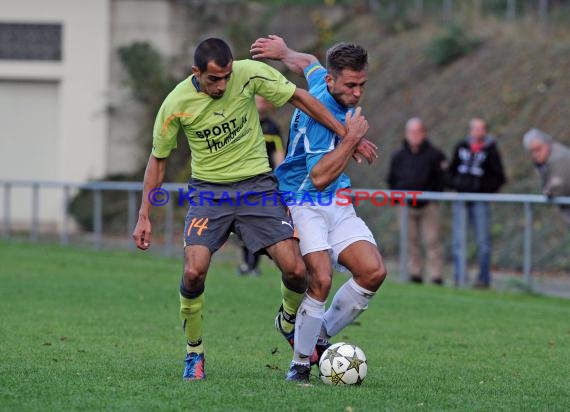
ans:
(343, 364)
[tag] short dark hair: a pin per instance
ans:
(212, 49)
(346, 56)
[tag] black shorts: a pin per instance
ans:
(251, 208)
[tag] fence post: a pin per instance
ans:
(64, 235)
(35, 212)
(404, 243)
(7, 202)
(527, 252)
(462, 252)
(131, 216)
(98, 217)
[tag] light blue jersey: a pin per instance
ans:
(309, 141)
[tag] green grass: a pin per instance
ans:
(87, 330)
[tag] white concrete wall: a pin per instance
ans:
(77, 87)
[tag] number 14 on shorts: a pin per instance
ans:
(200, 224)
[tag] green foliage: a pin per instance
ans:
(147, 76)
(454, 44)
(86, 330)
(397, 17)
(114, 207)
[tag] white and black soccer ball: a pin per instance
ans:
(343, 364)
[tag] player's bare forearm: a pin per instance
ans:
(153, 177)
(274, 48)
(297, 62)
(303, 101)
(331, 165)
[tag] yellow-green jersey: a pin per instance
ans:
(225, 136)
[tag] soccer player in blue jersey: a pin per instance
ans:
(330, 235)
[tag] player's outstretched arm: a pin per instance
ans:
(153, 177)
(274, 48)
(305, 102)
(331, 165)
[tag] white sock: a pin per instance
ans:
(348, 302)
(307, 328)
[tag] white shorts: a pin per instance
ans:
(331, 228)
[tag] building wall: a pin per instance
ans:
(54, 113)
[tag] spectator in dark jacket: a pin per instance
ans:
(476, 168)
(418, 165)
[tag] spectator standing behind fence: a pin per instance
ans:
(418, 165)
(275, 153)
(476, 168)
(552, 160)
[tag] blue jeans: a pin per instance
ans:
(479, 215)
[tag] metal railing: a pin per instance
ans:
(133, 190)
(462, 198)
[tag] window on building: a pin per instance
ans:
(22, 41)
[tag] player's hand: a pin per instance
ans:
(367, 149)
(142, 233)
(356, 125)
(271, 47)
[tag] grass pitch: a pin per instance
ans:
(87, 330)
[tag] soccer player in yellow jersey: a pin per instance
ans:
(215, 108)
